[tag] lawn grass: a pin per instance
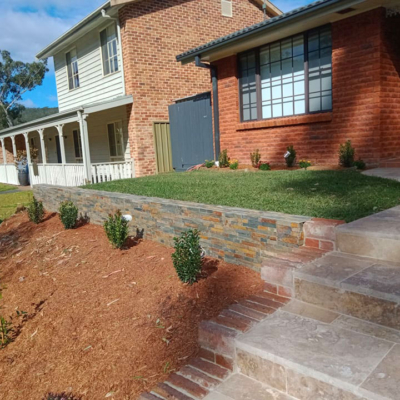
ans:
(4, 188)
(9, 202)
(345, 195)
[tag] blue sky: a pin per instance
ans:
(30, 25)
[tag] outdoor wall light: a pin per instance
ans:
(127, 217)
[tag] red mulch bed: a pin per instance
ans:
(99, 320)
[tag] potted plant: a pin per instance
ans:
(21, 163)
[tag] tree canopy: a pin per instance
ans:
(17, 78)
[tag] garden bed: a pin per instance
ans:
(100, 321)
(342, 195)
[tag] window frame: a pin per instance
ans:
(72, 72)
(106, 60)
(117, 157)
(256, 51)
(78, 135)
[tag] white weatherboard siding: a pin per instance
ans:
(94, 86)
(98, 137)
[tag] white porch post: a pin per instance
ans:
(4, 158)
(14, 146)
(85, 145)
(62, 150)
(28, 155)
(43, 151)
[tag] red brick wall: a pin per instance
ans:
(356, 57)
(390, 88)
(153, 33)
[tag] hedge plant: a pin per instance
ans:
(68, 214)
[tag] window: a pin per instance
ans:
(72, 67)
(109, 46)
(77, 144)
(289, 77)
(115, 139)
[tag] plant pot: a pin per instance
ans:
(23, 178)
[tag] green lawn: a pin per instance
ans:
(4, 187)
(9, 202)
(344, 195)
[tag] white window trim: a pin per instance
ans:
(122, 156)
(117, 54)
(66, 69)
(79, 159)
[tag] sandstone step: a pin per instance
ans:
(376, 236)
(306, 352)
(356, 286)
(240, 387)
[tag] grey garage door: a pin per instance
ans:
(191, 131)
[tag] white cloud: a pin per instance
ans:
(28, 103)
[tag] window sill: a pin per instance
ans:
(285, 121)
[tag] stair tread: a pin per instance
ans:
(333, 353)
(240, 387)
(371, 277)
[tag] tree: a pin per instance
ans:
(17, 78)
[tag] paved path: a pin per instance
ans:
(388, 173)
(10, 191)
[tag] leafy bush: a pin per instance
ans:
(209, 164)
(290, 156)
(223, 159)
(35, 211)
(359, 164)
(234, 164)
(346, 154)
(116, 228)
(68, 214)
(255, 158)
(60, 396)
(304, 164)
(6, 331)
(187, 256)
(264, 166)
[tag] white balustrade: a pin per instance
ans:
(9, 174)
(105, 172)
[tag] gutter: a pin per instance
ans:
(214, 79)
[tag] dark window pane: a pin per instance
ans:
(111, 140)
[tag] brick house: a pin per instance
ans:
(313, 77)
(116, 74)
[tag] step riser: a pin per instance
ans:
(384, 249)
(287, 380)
(372, 309)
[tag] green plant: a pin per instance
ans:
(359, 164)
(234, 164)
(68, 214)
(209, 164)
(223, 159)
(187, 256)
(35, 211)
(116, 228)
(290, 156)
(255, 158)
(264, 166)
(346, 154)
(6, 331)
(304, 164)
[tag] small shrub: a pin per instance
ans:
(116, 228)
(68, 214)
(264, 166)
(60, 396)
(6, 331)
(346, 154)
(1, 221)
(187, 256)
(234, 164)
(209, 164)
(255, 158)
(223, 159)
(359, 164)
(35, 211)
(290, 156)
(304, 164)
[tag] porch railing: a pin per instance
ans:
(57, 174)
(8, 174)
(105, 172)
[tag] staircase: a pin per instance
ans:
(339, 336)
